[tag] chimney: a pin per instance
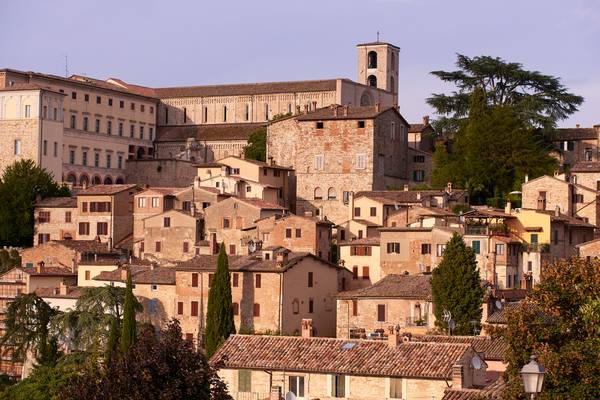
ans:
(350, 206)
(394, 337)
(557, 211)
(335, 111)
(508, 207)
(124, 274)
(457, 376)
(345, 111)
(314, 105)
(418, 195)
(307, 327)
(425, 120)
(62, 288)
(577, 126)
(271, 161)
(306, 109)
(281, 258)
(406, 188)
(298, 110)
(377, 107)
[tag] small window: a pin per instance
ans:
(244, 380)
(98, 100)
(319, 162)
(476, 246)
(360, 161)
(110, 102)
(440, 248)
(380, 312)
(361, 124)
(256, 310)
(373, 211)
(396, 388)
(226, 223)
(153, 287)
(257, 281)
(17, 147)
(499, 249)
(236, 279)
(298, 232)
(365, 272)
(331, 194)
(357, 211)
(318, 194)
(310, 279)
(236, 309)
(425, 248)
(288, 232)
(74, 95)
(393, 247)
(354, 308)
(319, 125)
(311, 306)
(194, 309)
(157, 247)
(194, 279)
(180, 308)
(186, 247)
(86, 97)
(355, 272)
(231, 249)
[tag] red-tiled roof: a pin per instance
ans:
(339, 356)
(395, 286)
(73, 292)
(499, 316)
(247, 88)
(344, 112)
(57, 202)
(586, 166)
(27, 86)
(368, 241)
(494, 349)
(166, 191)
(83, 246)
(404, 196)
(575, 134)
(259, 203)
(49, 271)
(207, 132)
(106, 189)
(140, 274)
(493, 391)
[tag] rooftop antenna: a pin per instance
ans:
(66, 66)
(377, 36)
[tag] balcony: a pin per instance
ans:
(543, 248)
(490, 229)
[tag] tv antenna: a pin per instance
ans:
(66, 65)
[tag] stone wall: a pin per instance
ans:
(160, 172)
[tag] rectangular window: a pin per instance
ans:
(365, 272)
(45, 147)
(109, 127)
(142, 108)
(85, 123)
(236, 279)
(296, 385)
(247, 112)
(354, 308)
(186, 247)
(499, 249)
(141, 132)
(257, 281)
(131, 130)
(361, 124)
(380, 312)
(120, 129)
(194, 279)
(419, 159)
(167, 222)
(440, 248)
(157, 247)
(529, 266)
(98, 100)
(44, 217)
(141, 202)
(110, 102)
(102, 228)
(310, 279)
(418, 176)
(55, 149)
(256, 310)
(288, 232)
(360, 161)
(311, 306)
(373, 211)
(73, 121)
(108, 161)
(319, 162)
(355, 272)
(100, 206)
(55, 114)
(43, 238)
(226, 223)
(396, 388)
(534, 238)
(132, 106)
(87, 275)
(393, 247)
(71, 156)
(84, 206)
(74, 95)
(180, 307)
(298, 232)
(339, 386)
(17, 147)
(319, 125)
(97, 160)
(357, 211)
(27, 111)
(151, 133)
(84, 160)
(231, 249)
(476, 246)
(194, 307)
(86, 97)
(244, 380)
(68, 217)
(425, 248)
(120, 162)
(84, 228)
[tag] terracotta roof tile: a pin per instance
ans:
(57, 202)
(106, 189)
(575, 134)
(140, 274)
(340, 356)
(494, 349)
(84, 246)
(493, 391)
(368, 241)
(586, 166)
(499, 316)
(344, 112)
(208, 132)
(49, 271)
(395, 286)
(263, 204)
(247, 88)
(73, 292)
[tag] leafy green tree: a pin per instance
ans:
(219, 316)
(128, 330)
(21, 183)
(163, 366)
(493, 152)
(257, 145)
(27, 325)
(559, 322)
(456, 287)
(537, 99)
(443, 167)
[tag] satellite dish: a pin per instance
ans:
(251, 247)
(498, 304)
(476, 362)
(290, 396)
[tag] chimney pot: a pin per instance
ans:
(508, 207)
(314, 105)
(577, 125)
(377, 107)
(406, 188)
(345, 111)
(426, 120)
(307, 327)
(394, 337)
(63, 288)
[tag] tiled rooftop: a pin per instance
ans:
(395, 286)
(106, 189)
(57, 202)
(208, 132)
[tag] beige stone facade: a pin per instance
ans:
(97, 126)
(55, 219)
(576, 145)
(338, 150)
(160, 172)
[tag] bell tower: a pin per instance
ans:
(378, 66)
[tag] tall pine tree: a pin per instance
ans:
(219, 316)
(128, 330)
(456, 287)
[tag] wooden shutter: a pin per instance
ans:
(194, 309)
(380, 312)
(194, 279)
(180, 308)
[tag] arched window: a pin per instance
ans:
(96, 180)
(295, 306)
(365, 99)
(120, 180)
(84, 180)
(372, 80)
(140, 153)
(331, 195)
(67, 236)
(266, 112)
(71, 178)
(108, 180)
(392, 84)
(372, 59)
(318, 194)
(224, 113)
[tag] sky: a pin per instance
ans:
(160, 43)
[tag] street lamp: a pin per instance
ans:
(533, 377)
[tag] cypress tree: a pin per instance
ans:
(219, 316)
(128, 331)
(456, 287)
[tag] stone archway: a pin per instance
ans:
(366, 99)
(108, 180)
(96, 180)
(84, 180)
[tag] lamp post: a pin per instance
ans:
(533, 377)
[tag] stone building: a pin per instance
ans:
(63, 252)
(336, 150)
(55, 219)
(267, 367)
(421, 136)
(397, 300)
(362, 257)
(80, 129)
(160, 172)
(577, 144)
(586, 173)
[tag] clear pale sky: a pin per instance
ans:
(172, 43)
